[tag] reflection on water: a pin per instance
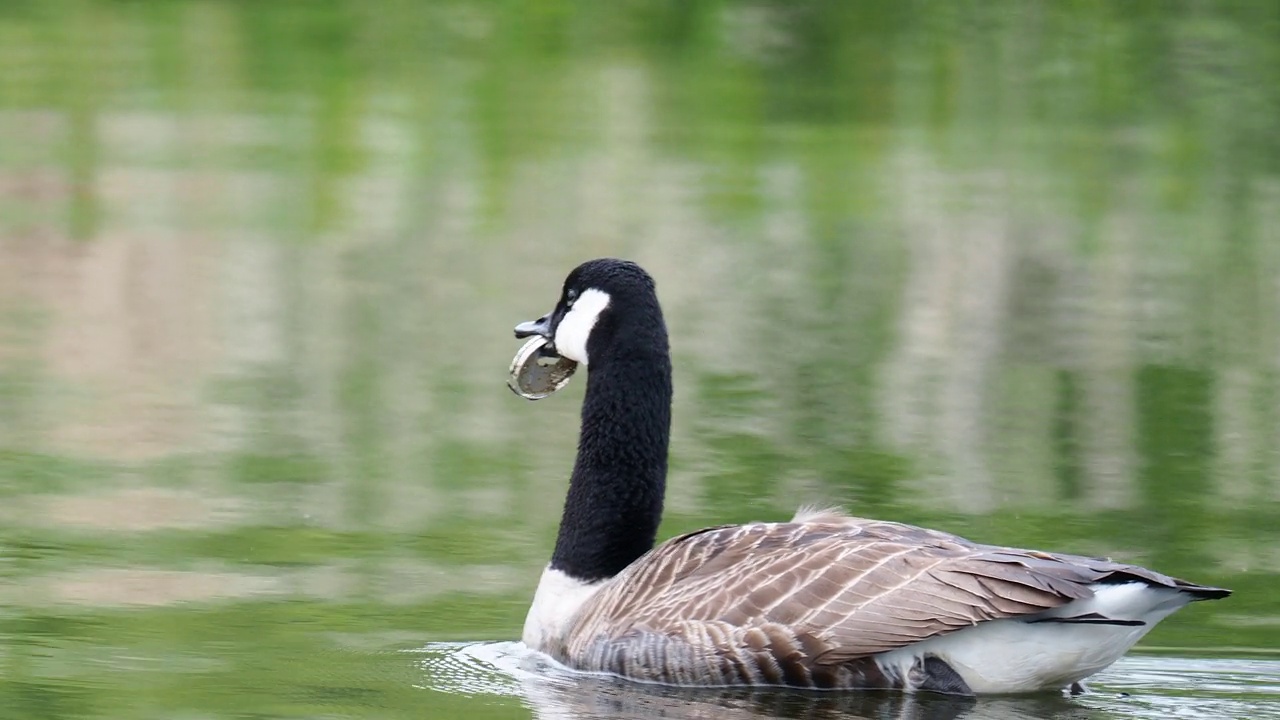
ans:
(1137, 687)
(1010, 270)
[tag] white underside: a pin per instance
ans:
(1013, 656)
(555, 607)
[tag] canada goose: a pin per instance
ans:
(822, 601)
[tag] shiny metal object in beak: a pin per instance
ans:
(536, 372)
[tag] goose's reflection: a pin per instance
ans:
(553, 693)
(597, 698)
(1161, 687)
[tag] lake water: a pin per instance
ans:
(1008, 269)
(506, 675)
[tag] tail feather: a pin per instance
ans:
(1204, 592)
(1129, 573)
(1092, 618)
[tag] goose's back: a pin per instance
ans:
(809, 603)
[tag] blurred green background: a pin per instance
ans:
(1010, 269)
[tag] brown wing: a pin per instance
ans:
(839, 588)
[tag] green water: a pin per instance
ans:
(1008, 269)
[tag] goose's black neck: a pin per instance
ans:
(614, 505)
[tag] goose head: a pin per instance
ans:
(606, 306)
(608, 319)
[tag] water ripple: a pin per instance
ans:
(1138, 688)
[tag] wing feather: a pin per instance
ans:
(826, 590)
(854, 587)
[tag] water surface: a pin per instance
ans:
(509, 675)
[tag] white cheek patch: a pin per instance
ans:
(573, 331)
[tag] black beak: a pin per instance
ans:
(541, 326)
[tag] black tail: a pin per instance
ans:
(1204, 592)
(1089, 619)
(1154, 579)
